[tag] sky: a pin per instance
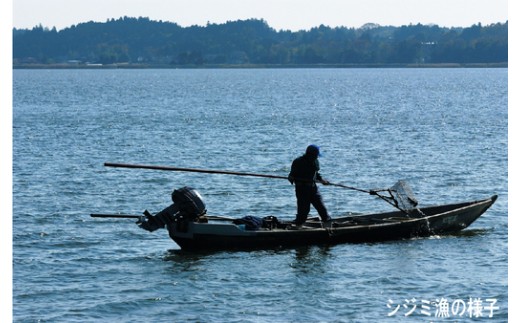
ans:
(279, 14)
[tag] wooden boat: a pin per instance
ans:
(192, 229)
(217, 233)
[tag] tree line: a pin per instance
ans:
(142, 41)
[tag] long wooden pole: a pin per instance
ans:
(212, 171)
(225, 172)
(193, 170)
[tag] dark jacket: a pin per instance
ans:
(305, 170)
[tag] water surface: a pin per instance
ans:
(444, 131)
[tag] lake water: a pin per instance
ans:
(444, 131)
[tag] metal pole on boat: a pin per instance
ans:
(353, 188)
(134, 216)
(117, 216)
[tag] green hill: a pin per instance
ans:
(144, 42)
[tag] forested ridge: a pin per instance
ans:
(144, 42)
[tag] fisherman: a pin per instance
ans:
(304, 174)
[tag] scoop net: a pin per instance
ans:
(400, 195)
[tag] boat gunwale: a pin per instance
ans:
(368, 226)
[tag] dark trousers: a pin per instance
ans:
(305, 196)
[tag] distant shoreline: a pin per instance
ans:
(255, 66)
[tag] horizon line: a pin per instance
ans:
(259, 19)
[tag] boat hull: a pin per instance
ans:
(436, 220)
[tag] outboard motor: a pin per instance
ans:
(189, 202)
(187, 206)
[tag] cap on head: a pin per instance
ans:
(313, 150)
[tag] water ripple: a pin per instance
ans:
(442, 130)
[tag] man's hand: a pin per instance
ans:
(325, 182)
(291, 180)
